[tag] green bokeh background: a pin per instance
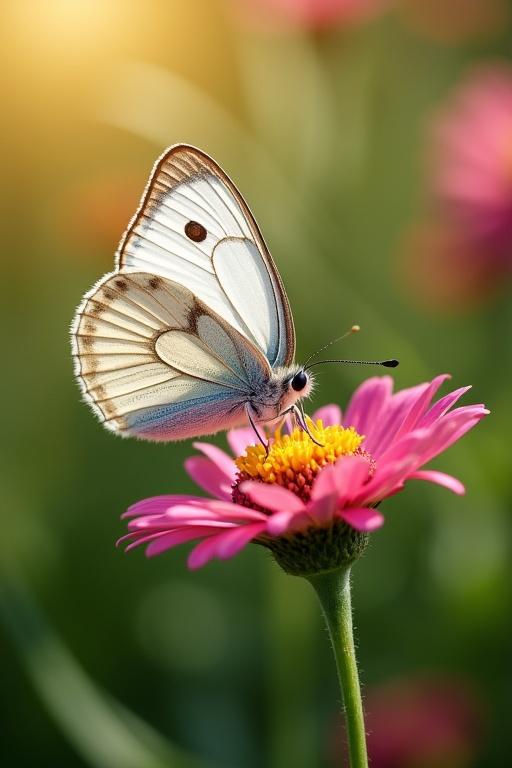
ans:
(115, 661)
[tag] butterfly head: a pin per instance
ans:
(296, 385)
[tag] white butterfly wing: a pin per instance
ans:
(194, 227)
(155, 362)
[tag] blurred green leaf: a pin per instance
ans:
(106, 734)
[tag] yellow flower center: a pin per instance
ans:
(294, 460)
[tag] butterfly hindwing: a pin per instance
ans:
(193, 227)
(154, 361)
(201, 412)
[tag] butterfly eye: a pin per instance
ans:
(195, 231)
(299, 381)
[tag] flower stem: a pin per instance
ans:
(333, 590)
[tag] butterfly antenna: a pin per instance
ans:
(354, 329)
(386, 363)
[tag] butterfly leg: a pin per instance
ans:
(292, 412)
(284, 420)
(301, 419)
(264, 443)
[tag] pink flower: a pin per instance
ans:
(472, 160)
(316, 14)
(428, 721)
(301, 488)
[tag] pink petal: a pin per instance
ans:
(383, 432)
(322, 510)
(216, 511)
(367, 402)
(477, 409)
(209, 477)
(179, 536)
(141, 540)
(449, 430)
(343, 480)
(300, 521)
(290, 522)
(446, 431)
(272, 497)
(362, 519)
(202, 553)
(402, 459)
(126, 537)
(410, 445)
(325, 483)
(420, 406)
(337, 485)
(351, 473)
(182, 514)
(279, 522)
(230, 543)
(386, 483)
(148, 523)
(156, 505)
(329, 414)
(223, 546)
(213, 508)
(173, 537)
(442, 406)
(417, 448)
(447, 481)
(240, 439)
(220, 458)
(145, 524)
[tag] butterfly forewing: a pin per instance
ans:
(194, 227)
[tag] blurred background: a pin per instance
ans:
(373, 141)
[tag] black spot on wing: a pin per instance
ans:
(195, 231)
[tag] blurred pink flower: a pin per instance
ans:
(300, 486)
(445, 269)
(461, 255)
(472, 159)
(428, 722)
(315, 14)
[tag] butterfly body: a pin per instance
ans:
(192, 333)
(265, 405)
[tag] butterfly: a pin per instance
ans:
(192, 332)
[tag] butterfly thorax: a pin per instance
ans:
(277, 396)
